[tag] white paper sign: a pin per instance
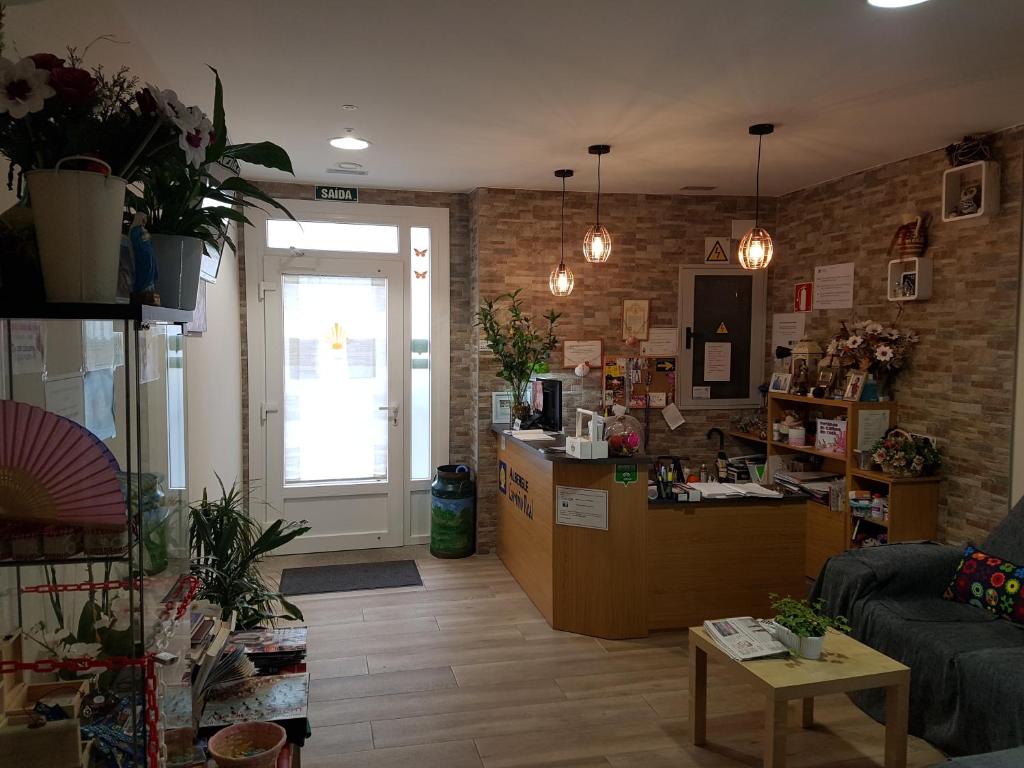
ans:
(662, 342)
(871, 426)
(673, 416)
(65, 396)
(28, 341)
(833, 286)
(99, 345)
(576, 352)
(99, 403)
(702, 393)
(717, 361)
(581, 507)
(787, 329)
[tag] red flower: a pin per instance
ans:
(970, 566)
(46, 61)
(74, 86)
(998, 579)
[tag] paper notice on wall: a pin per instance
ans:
(581, 507)
(833, 286)
(99, 403)
(662, 342)
(65, 396)
(673, 416)
(28, 345)
(702, 393)
(871, 426)
(150, 357)
(717, 361)
(787, 329)
(99, 344)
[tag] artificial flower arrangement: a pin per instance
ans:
(869, 346)
(904, 455)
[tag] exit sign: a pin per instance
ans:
(337, 194)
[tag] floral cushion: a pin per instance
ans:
(988, 582)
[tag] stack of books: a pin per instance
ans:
(273, 651)
(816, 484)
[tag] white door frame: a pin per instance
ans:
(440, 342)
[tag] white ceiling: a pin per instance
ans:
(458, 94)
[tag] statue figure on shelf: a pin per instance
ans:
(144, 283)
(970, 198)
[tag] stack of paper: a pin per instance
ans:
(529, 434)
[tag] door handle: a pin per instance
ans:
(394, 413)
(689, 336)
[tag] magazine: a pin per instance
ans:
(831, 436)
(744, 638)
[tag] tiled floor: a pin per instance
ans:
(464, 672)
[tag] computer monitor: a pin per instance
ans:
(548, 406)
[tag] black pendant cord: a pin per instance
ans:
(561, 258)
(757, 183)
(597, 223)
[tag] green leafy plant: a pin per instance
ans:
(519, 346)
(191, 186)
(228, 547)
(806, 619)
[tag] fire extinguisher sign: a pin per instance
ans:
(803, 297)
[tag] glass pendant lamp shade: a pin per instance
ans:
(597, 243)
(561, 281)
(756, 249)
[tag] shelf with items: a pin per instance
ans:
(104, 596)
(748, 437)
(970, 191)
(810, 450)
(910, 279)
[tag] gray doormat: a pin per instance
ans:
(350, 577)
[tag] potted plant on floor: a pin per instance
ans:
(189, 194)
(802, 625)
(228, 548)
(518, 346)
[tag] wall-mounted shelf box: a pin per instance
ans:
(910, 279)
(983, 174)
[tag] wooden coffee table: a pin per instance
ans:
(846, 665)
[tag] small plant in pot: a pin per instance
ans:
(802, 625)
(520, 348)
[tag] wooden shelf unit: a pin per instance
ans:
(913, 502)
(748, 437)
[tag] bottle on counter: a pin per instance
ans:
(704, 473)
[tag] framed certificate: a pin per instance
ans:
(636, 314)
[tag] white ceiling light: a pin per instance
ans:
(895, 3)
(348, 141)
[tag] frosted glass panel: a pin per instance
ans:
(332, 236)
(419, 314)
(335, 378)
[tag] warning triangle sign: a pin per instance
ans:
(722, 328)
(717, 254)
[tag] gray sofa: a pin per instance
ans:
(967, 665)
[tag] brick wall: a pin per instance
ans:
(960, 385)
(515, 245)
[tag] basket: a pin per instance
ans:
(895, 471)
(908, 241)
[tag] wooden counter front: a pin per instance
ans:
(583, 580)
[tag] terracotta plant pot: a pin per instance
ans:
(247, 745)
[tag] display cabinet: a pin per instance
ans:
(93, 590)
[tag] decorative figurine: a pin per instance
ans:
(144, 284)
(970, 200)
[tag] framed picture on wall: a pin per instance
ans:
(501, 407)
(636, 315)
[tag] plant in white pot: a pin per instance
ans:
(190, 193)
(802, 625)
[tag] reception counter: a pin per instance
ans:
(597, 558)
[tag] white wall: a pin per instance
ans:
(213, 376)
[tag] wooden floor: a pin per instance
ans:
(463, 672)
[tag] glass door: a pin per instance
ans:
(333, 414)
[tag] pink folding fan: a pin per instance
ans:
(54, 470)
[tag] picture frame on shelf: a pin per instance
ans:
(780, 382)
(636, 315)
(826, 378)
(501, 407)
(854, 386)
(908, 284)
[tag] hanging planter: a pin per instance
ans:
(78, 218)
(178, 261)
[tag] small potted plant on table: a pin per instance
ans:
(802, 625)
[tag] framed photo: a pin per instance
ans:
(854, 385)
(826, 377)
(908, 284)
(636, 315)
(780, 382)
(501, 407)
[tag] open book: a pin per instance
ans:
(744, 638)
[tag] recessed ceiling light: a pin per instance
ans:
(348, 141)
(350, 107)
(349, 165)
(895, 3)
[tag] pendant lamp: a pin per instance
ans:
(561, 280)
(756, 247)
(597, 243)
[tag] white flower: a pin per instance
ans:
(79, 650)
(854, 341)
(890, 333)
(166, 101)
(873, 328)
(196, 130)
(884, 353)
(23, 87)
(832, 348)
(862, 324)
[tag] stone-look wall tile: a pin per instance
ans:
(959, 386)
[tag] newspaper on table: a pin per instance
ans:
(744, 638)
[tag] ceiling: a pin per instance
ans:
(458, 94)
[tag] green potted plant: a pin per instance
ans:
(228, 547)
(802, 625)
(519, 347)
(189, 192)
